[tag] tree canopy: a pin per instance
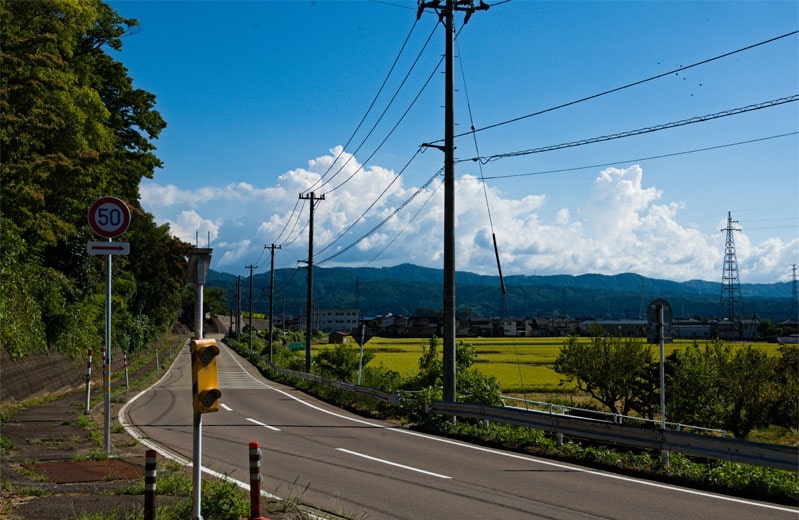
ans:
(74, 128)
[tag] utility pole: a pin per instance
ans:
(271, 298)
(309, 305)
(251, 267)
(446, 12)
(238, 309)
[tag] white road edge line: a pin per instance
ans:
(133, 432)
(169, 454)
(544, 462)
(388, 462)
(259, 423)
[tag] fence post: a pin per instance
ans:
(88, 382)
(255, 482)
(149, 484)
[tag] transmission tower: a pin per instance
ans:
(730, 284)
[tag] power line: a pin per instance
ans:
(401, 231)
(646, 130)
(629, 85)
(613, 163)
(385, 220)
(396, 177)
(393, 129)
(371, 106)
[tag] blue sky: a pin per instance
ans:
(260, 97)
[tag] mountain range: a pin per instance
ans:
(409, 289)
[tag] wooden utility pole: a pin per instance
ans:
(309, 308)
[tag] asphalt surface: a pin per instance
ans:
(344, 464)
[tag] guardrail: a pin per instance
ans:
(391, 398)
(613, 432)
(605, 416)
(736, 450)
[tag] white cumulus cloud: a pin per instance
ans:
(622, 225)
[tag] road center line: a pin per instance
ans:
(259, 423)
(226, 407)
(383, 461)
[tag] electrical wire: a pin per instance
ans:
(401, 231)
(395, 179)
(633, 84)
(640, 131)
(502, 286)
(371, 106)
(296, 203)
(389, 217)
(649, 158)
(296, 221)
(374, 126)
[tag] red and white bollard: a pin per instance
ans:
(149, 484)
(255, 482)
(88, 382)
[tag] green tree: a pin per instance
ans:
(75, 128)
(786, 410)
(608, 368)
(341, 363)
(736, 389)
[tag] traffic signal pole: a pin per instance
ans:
(197, 450)
(199, 261)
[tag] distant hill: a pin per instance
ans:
(404, 288)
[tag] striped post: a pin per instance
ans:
(104, 361)
(88, 382)
(125, 364)
(149, 484)
(255, 482)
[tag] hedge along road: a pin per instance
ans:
(339, 462)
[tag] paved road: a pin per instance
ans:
(369, 469)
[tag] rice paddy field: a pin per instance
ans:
(521, 365)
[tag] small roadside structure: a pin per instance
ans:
(338, 338)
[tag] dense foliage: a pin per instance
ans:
(74, 128)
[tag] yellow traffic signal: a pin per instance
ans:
(204, 384)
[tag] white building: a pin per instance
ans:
(337, 320)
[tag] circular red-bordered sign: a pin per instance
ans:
(109, 217)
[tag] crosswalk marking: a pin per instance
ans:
(236, 379)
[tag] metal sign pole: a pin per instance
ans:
(199, 261)
(107, 361)
(108, 217)
(198, 417)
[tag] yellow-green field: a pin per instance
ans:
(517, 363)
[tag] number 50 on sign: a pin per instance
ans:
(109, 217)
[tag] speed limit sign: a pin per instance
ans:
(109, 217)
